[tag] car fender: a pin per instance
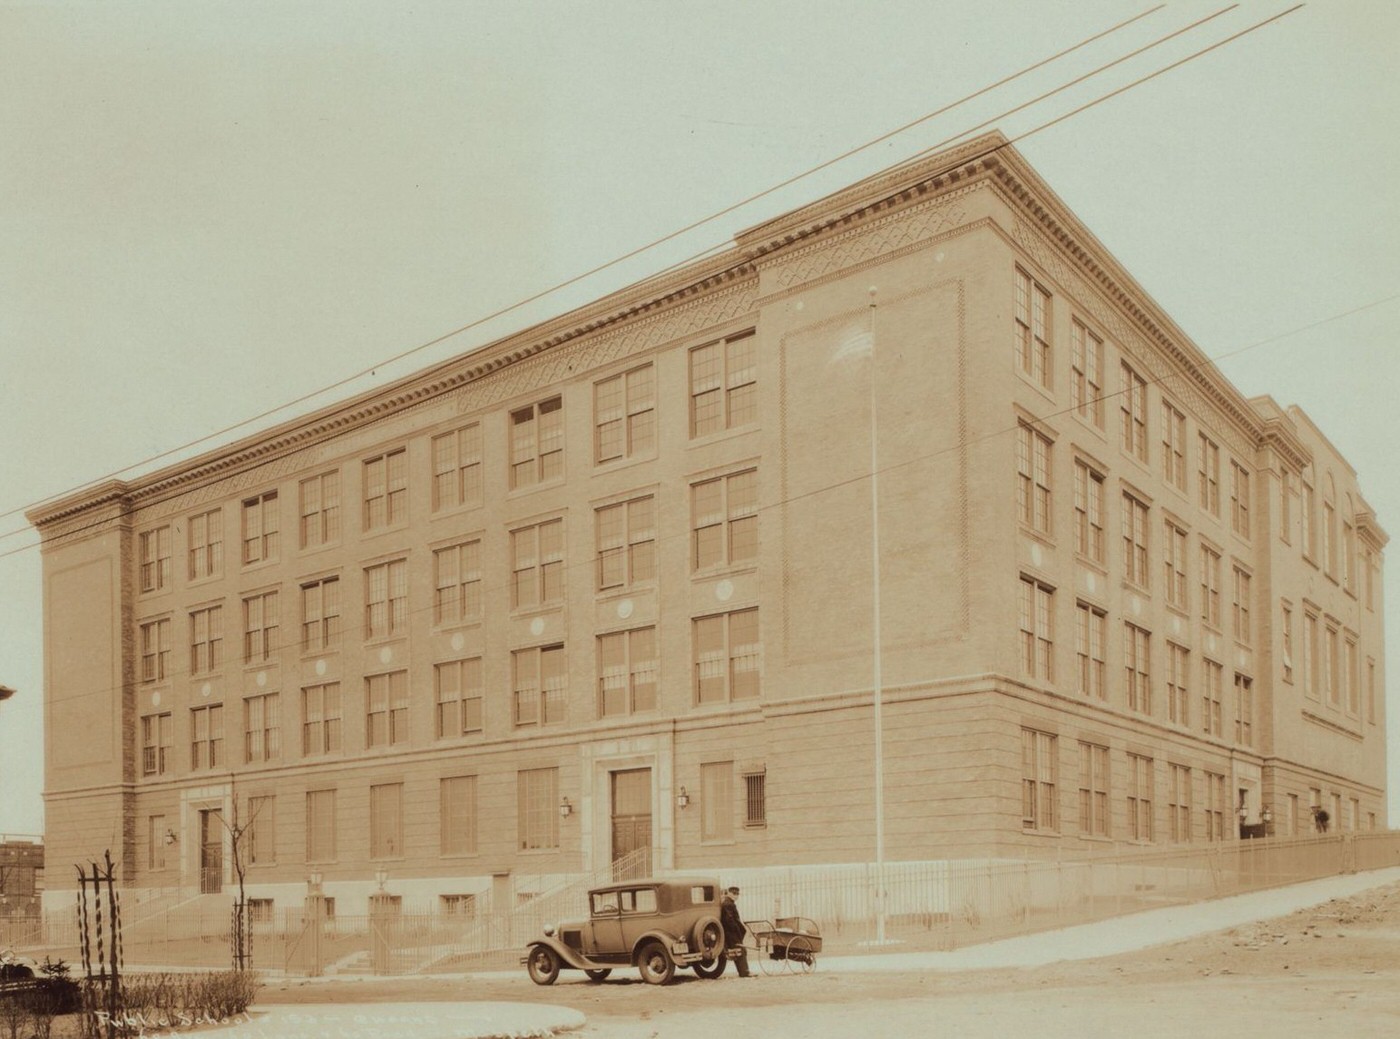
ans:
(569, 957)
(667, 940)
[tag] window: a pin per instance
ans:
(1037, 630)
(155, 650)
(724, 520)
(1135, 541)
(457, 816)
(207, 736)
(627, 665)
(1239, 499)
(537, 565)
(1091, 637)
(1179, 803)
(1208, 474)
(1329, 527)
(262, 740)
(1033, 328)
(386, 489)
(1033, 478)
(457, 583)
(538, 799)
(724, 384)
(1240, 606)
(1215, 807)
(1137, 677)
(1088, 511)
(320, 825)
(1173, 446)
(260, 527)
(386, 709)
(320, 719)
(1178, 693)
(1093, 790)
(1368, 562)
(717, 801)
(320, 614)
(537, 443)
(624, 415)
(206, 639)
(155, 559)
(1370, 691)
(540, 685)
(1330, 666)
(457, 905)
(727, 656)
(1213, 677)
(626, 542)
(1285, 507)
(1133, 402)
(1353, 678)
(458, 692)
(1308, 516)
(1244, 710)
(1287, 627)
(1175, 565)
(457, 468)
(386, 599)
(259, 627)
(1086, 392)
(1291, 827)
(1312, 658)
(755, 800)
(386, 821)
(156, 740)
(1140, 797)
(262, 830)
(155, 842)
(1038, 776)
(1348, 551)
(1210, 586)
(320, 509)
(206, 544)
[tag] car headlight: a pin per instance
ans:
(549, 930)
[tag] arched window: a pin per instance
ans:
(1309, 516)
(1348, 545)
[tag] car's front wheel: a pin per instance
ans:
(655, 964)
(543, 965)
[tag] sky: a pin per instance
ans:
(209, 210)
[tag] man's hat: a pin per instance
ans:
(733, 891)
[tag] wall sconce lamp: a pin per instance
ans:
(381, 877)
(565, 809)
(1244, 813)
(682, 799)
(313, 881)
(171, 837)
(1266, 815)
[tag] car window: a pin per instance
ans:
(701, 894)
(604, 902)
(640, 901)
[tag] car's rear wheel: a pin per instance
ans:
(655, 964)
(598, 975)
(542, 964)
(711, 968)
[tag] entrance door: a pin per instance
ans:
(211, 851)
(631, 823)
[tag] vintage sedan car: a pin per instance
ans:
(653, 925)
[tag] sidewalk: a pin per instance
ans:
(1121, 934)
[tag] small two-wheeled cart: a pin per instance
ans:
(788, 945)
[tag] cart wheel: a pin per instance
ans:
(769, 958)
(543, 965)
(801, 956)
(598, 975)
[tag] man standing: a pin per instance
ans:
(734, 931)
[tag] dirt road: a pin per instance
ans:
(1330, 970)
